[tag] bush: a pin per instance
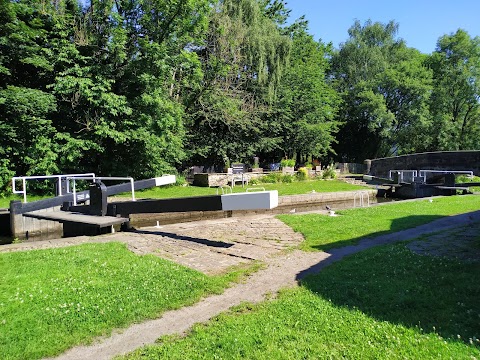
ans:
(302, 174)
(275, 177)
(329, 172)
(287, 163)
(466, 179)
(287, 178)
(271, 178)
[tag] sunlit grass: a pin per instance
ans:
(5, 201)
(384, 303)
(53, 299)
(324, 232)
(294, 188)
(175, 191)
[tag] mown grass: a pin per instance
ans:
(5, 201)
(384, 303)
(296, 187)
(326, 232)
(53, 299)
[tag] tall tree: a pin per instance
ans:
(456, 98)
(28, 138)
(121, 92)
(242, 61)
(385, 87)
(303, 115)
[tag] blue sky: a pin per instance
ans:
(421, 22)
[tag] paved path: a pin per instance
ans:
(213, 246)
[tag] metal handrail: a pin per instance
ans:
(258, 188)
(414, 173)
(100, 178)
(468, 172)
(361, 201)
(43, 177)
(226, 187)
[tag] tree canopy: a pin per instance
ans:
(143, 87)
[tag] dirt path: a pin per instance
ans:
(213, 246)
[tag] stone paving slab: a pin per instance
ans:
(209, 246)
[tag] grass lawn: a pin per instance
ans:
(383, 303)
(53, 299)
(326, 232)
(297, 187)
(5, 201)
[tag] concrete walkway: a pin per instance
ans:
(213, 246)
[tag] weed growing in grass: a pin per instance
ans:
(53, 299)
(385, 303)
(325, 232)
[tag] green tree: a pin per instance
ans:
(121, 93)
(242, 62)
(455, 101)
(385, 87)
(28, 138)
(306, 105)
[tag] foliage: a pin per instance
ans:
(467, 178)
(141, 88)
(287, 178)
(383, 303)
(326, 232)
(80, 86)
(455, 99)
(302, 174)
(242, 61)
(385, 87)
(329, 172)
(287, 163)
(53, 299)
(302, 117)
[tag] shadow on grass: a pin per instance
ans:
(391, 283)
(406, 226)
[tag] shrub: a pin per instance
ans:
(329, 172)
(271, 178)
(467, 179)
(287, 178)
(275, 177)
(302, 174)
(287, 163)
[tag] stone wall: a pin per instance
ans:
(221, 179)
(350, 168)
(440, 160)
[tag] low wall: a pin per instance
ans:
(440, 160)
(351, 168)
(221, 179)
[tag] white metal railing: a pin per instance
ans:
(225, 189)
(423, 173)
(402, 172)
(59, 178)
(361, 195)
(74, 178)
(257, 188)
